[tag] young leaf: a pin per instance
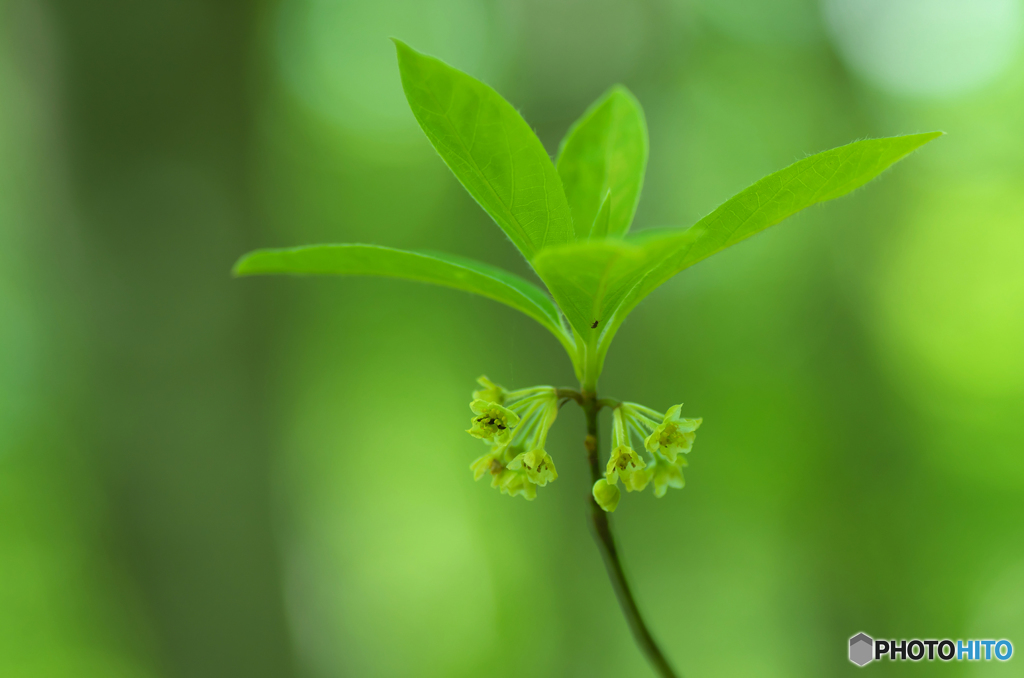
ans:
(429, 267)
(605, 150)
(609, 279)
(602, 221)
(490, 149)
(817, 178)
(591, 279)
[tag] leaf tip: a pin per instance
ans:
(401, 48)
(926, 137)
(244, 266)
(406, 54)
(923, 138)
(617, 95)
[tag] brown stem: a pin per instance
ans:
(606, 542)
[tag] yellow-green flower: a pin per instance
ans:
(666, 474)
(674, 436)
(606, 495)
(539, 467)
(627, 466)
(492, 463)
(517, 462)
(624, 463)
(637, 481)
(515, 483)
(491, 392)
(492, 423)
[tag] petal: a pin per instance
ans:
(689, 424)
(651, 441)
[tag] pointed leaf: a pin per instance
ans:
(605, 150)
(490, 149)
(429, 267)
(609, 279)
(817, 178)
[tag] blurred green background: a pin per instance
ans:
(202, 476)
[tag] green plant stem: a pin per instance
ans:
(570, 394)
(606, 542)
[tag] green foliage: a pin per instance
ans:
(603, 220)
(604, 156)
(603, 281)
(491, 150)
(430, 267)
(571, 224)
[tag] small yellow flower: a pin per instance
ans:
(637, 480)
(492, 463)
(517, 428)
(539, 467)
(624, 463)
(491, 392)
(515, 483)
(492, 423)
(674, 436)
(627, 466)
(667, 474)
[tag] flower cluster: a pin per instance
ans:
(667, 438)
(515, 424)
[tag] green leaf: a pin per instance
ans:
(604, 281)
(605, 150)
(491, 150)
(591, 279)
(817, 178)
(429, 267)
(602, 221)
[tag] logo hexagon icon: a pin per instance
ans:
(861, 649)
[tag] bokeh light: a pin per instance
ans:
(938, 48)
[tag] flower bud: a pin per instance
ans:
(606, 495)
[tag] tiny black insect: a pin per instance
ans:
(595, 324)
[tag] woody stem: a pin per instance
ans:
(606, 543)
